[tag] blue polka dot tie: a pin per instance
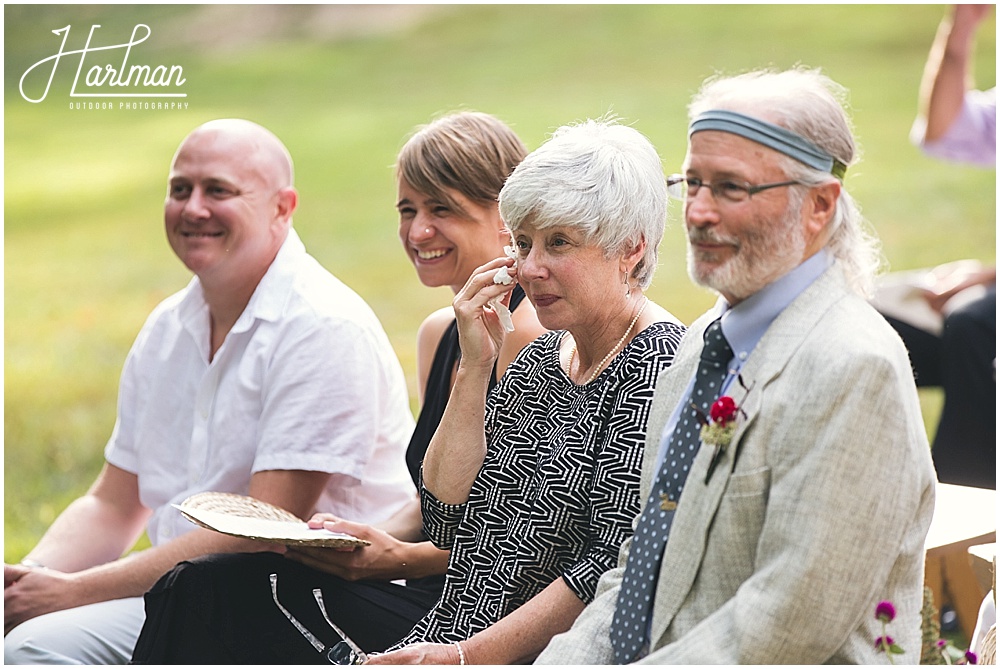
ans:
(635, 599)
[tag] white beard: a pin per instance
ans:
(762, 255)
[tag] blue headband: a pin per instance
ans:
(770, 135)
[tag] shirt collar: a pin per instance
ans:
(745, 324)
(268, 299)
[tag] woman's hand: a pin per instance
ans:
(480, 332)
(384, 559)
(419, 653)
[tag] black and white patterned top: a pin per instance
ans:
(558, 490)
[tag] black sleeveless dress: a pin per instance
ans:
(218, 609)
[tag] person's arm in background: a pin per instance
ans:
(949, 283)
(947, 74)
(80, 550)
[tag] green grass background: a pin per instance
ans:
(85, 255)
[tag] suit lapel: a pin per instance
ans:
(699, 501)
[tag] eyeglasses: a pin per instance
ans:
(342, 652)
(726, 190)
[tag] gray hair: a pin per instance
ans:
(814, 106)
(600, 177)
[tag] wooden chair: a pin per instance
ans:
(964, 517)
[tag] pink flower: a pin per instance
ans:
(971, 657)
(885, 612)
(884, 642)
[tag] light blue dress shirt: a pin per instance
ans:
(745, 324)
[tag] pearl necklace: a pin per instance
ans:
(600, 365)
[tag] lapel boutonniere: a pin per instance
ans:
(718, 428)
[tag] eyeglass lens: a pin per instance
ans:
(342, 653)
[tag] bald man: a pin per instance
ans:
(265, 376)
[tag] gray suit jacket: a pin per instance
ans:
(784, 554)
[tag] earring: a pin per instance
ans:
(628, 288)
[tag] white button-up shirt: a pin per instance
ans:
(305, 380)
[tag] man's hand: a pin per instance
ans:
(419, 653)
(33, 591)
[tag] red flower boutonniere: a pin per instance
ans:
(718, 428)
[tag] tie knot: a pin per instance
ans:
(716, 347)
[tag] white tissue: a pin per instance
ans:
(503, 277)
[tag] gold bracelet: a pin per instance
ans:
(461, 653)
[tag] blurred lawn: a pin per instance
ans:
(85, 258)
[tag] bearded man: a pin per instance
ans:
(806, 486)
